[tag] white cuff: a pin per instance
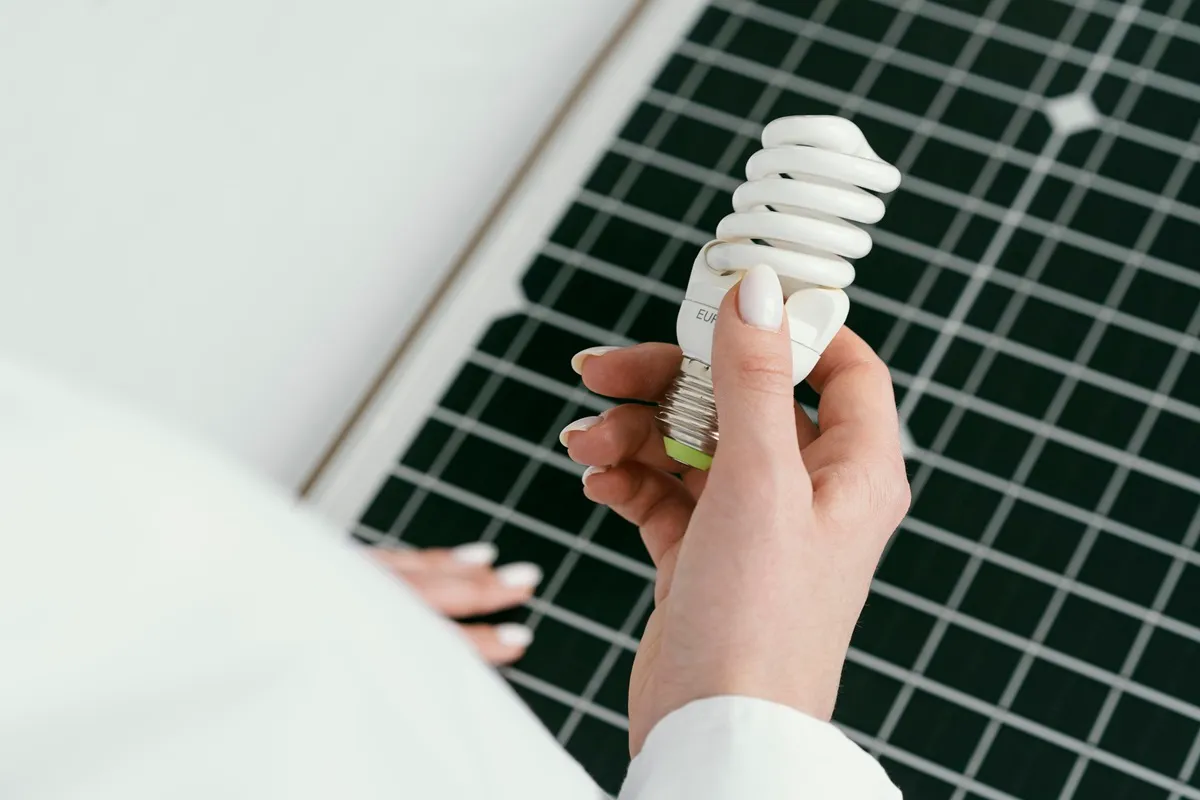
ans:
(738, 747)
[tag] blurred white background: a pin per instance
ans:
(228, 212)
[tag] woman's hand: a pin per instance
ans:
(764, 563)
(461, 583)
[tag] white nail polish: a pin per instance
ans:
(590, 471)
(510, 634)
(578, 359)
(760, 298)
(475, 554)
(587, 423)
(521, 575)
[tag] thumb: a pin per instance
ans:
(752, 370)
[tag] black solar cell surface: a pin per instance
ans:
(1034, 630)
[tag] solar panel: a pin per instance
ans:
(1034, 628)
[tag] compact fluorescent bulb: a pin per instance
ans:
(790, 214)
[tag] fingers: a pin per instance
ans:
(752, 373)
(642, 372)
(806, 429)
(855, 388)
(857, 463)
(651, 499)
(459, 582)
(499, 644)
(466, 558)
(457, 593)
(623, 433)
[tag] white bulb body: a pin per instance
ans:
(793, 214)
(814, 315)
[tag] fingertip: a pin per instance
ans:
(514, 635)
(641, 372)
(598, 483)
(500, 644)
(581, 425)
(475, 554)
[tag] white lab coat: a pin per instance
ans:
(170, 628)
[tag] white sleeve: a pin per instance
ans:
(724, 748)
(171, 627)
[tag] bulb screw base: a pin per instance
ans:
(688, 416)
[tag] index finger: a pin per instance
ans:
(641, 372)
(856, 463)
(856, 391)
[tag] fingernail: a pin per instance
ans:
(475, 554)
(590, 471)
(510, 634)
(583, 355)
(522, 575)
(587, 423)
(760, 299)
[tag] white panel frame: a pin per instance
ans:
(486, 284)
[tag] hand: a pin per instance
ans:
(764, 563)
(462, 583)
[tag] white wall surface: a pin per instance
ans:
(227, 212)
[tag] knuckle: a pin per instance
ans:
(876, 491)
(765, 373)
(887, 487)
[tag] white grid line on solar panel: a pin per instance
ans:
(569, 699)
(922, 764)
(766, 99)
(982, 207)
(1107, 452)
(585, 705)
(579, 622)
(1189, 765)
(963, 544)
(943, 256)
(995, 483)
(949, 693)
(1175, 571)
(1027, 40)
(1010, 222)
(472, 425)
(897, 672)
(1034, 449)
(1029, 100)
(1001, 151)
(1072, 302)
(958, 468)
(976, 475)
(976, 144)
(1136, 651)
(923, 65)
(563, 697)
(520, 340)
(1137, 441)
(937, 108)
(966, 545)
(519, 519)
(1148, 19)
(919, 763)
(607, 662)
(884, 52)
(896, 116)
(896, 308)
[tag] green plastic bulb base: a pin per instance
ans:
(687, 455)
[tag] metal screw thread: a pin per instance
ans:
(688, 413)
